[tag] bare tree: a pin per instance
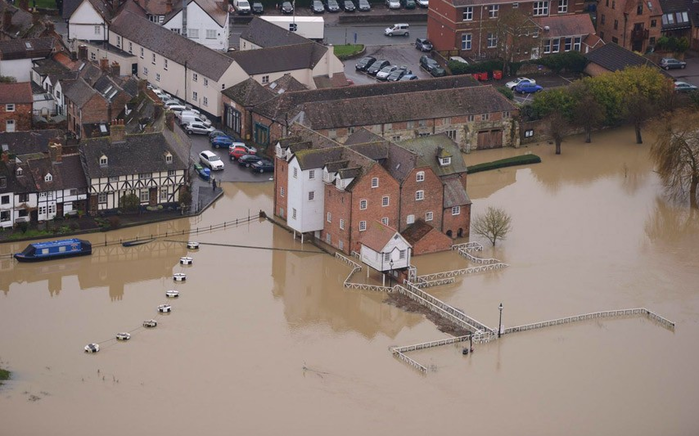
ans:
(514, 34)
(676, 155)
(557, 128)
(587, 113)
(493, 225)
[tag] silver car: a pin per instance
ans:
(211, 160)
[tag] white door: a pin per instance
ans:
(535, 53)
(10, 126)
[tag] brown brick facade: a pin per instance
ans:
(620, 22)
(432, 198)
(432, 242)
(281, 170)
(18, 117)
(457, 226)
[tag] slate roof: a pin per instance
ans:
(65, 175)
(676, 8)
(212, 8)
(306, 134)
(284, 58)
(318, 157)
(336, 81)
(566, 25)
(248, 93)
(26, 48)
(361, 136)
(416, 231)
(33, 141)
(79, 92)
(20, 22)
(45, 67)
(377, 235)
(266, 34)
(400, 162)
(286, 83)
(377, 151)
(428, 147)
(177, 48)
(277, 108)
(102, 8)
(613, 57)
(382, 109)
(17, 93)
(454, 193)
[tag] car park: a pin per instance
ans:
(332, 6)
(248, 148)
(242, 7)
(527, 88)
(512, 83)
(348, 6)
(211, 160)
(262, 166)
(150, 323)
(427, 63)
(248, 159)
(187, 116)
(438, 72)
(317, 7)
(393, 4)
(215, 133)
(221, 141)
(364, 63)
(92, 348)
(385, 71)
(408, 77)
(363, 5)
(400, 29)
(423, 3)
(123, 336)
(409, 4)
(236, 153)
(287, 8)
(397, 74)
(684, 87)
(672, 63)
(197, 128)
(423, 44)
(258, 8)
(377, 66)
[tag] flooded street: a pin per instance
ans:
(267, 342)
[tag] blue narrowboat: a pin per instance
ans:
(54, 250)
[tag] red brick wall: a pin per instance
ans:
(432, 202)
(96, 110)
(432, 242)
(245, 128)
(275, 129)
(339, 204)
(22, 116)
(281, 181)
(614, 10)
(456, 222)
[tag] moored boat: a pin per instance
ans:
(40, 251)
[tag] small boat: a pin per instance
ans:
(40, 251)
(150, 323)
(172, 293)
(123, 336)
(137, 242)
(186, 260)
(179, 277)
(193, 245)
(164, 308)
(92, 348)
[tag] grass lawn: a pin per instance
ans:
(4, 375)
(46, 4)
(347, 50)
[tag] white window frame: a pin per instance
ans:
(420, 176)
(385, 201)
(493, 11)
(456, 210)
(541, 8)
(384, 221)
(374, 182)
(363, 204)
(342, 224)
(568, 44)
(281, 191)
(466, 41)
(10, 107)
(362, 226)
(555, 45)
(210, 33)
(429, 216)
(562, 6)
(329, 217)
(492, 39)
(311, 195)
(410, 219)
(419, 195)
(311, 174)
(293, 213)
(467, 14)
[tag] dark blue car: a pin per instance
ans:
(527, 88)
(221, 141)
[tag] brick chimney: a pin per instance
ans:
(117, 131)
(168, 6)
(104, 64)
(5, 156)
(116, 69)
(82, 52)
(170, 120)
(56, 152)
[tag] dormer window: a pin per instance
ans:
(19, 172)
(103, 161)
(168, 158)
(48, 178)
(444, 161)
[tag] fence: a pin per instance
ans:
(462, 272)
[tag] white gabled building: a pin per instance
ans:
(88, 20)
(207, 23)
(384, 249)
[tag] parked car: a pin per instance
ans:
(92, 348)
(364, 63)
(287, 8)
(216, 133)
(221, 141)
(423, 44)
(363, 6)
(408, 4)
(248, 148)
(258, 8)
(317, 7)
(123, 336)
(172, 102)
(684, 87)
(242, 7)
(385, 71)
(162, 95)
(150, 323)
(397, 74)
(438, 72)
(377, 66)
(407, 77)
(332, 6)
(348, 6)
(262, 166)
(423, 3)
(512, 83)
(248, 159)
(393, 4)
(527, 88)
(236, 153)
(672, 63)
(197, 128)
(186, 117)
(458, 59)
(400, 29)
(427, 63)
(211, 160)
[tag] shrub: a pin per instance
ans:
(507, 92)
(129, 202)
(114, 222)
(524, 159)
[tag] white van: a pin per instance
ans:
(176, 108)
(242, 7)
(186, 118)
(401, 29)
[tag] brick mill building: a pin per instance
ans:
(634, 25)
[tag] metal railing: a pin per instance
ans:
(433, 283)
(462, 272)
(594, 315)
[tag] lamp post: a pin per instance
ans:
(500, 322)
(390, 277)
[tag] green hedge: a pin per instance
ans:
(524, 159)
(4, 375)
(571, 61)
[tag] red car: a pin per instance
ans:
(236, 152)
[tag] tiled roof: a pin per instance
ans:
(20, 21)
(377, 151)
(428, 147)
(566, 25)
(265, 34)
(102, 8)
(44, 67)
(159, 7)
(212, 8)
(614, 58)
(361, 136)
(284, 58)
(630, 7)
(454, 192)
(65, 175)
(318, 157)
(177, 48)
(306, 134)
(382, 109)
(377, 235)
(416, 231)
(277, 108)
(26, 48)
(401, 162)
(17, 93)
(336, 81)
(248, 93)
(286, 83)
(33, 141)
(79, 92)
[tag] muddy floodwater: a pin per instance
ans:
(267, 342)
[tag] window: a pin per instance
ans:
(48, 178)
(165, 64)
(363, 204)
(328, 238)
(445, 161)
(210, 34)
(52, 208)
(492, 40)
(341, 245)
(375, 182)
(311, 195)
(420, 176)
(329, 217)
(387, 257)
(615, 40)
(429, 216)
(547, 45)
(293, 213)
(157, 77)
(342, 224)
(493, 11)
(653, 23)
(296, 171)
(529, 133)
(163, 195)
(362, 226)
(577, 43)
(562, 6)
(171, 173)
(5, 199)
(311, 174)
(401, 254)
(639, 9)
(98, 30)
(118, 41)
(42, 210)
(206, 81)
(466, 39)
(456, 210)
(141, 52)
(265, 79)
(485, 117)
(506, 114)
(153, 59)
(384, 221)
(613, 4)
(195, 95)
(468, 13)
(616, 24)
(102, 198)
(145, 71)
(451, 134)
(385, 200)
(206, 101)
(5, 215)
(603, 19)
(651, 41)
(143, 176)
(556, 45)
(130, 47)
(193, 33)
(195, 77)
(568, 44)
(281, 191)
(541, 8)
(410, 219)
(10, 107)
(419, 195)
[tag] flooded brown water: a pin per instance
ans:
(266, 342)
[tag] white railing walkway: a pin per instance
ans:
(461, 272)
(594, 315)
(355, 268)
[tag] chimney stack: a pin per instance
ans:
(5, 156)
(117, 131)
(168, 6)
(116, 69)
(170, 120)
(82, 52)
(104, 64)
(56, 152)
